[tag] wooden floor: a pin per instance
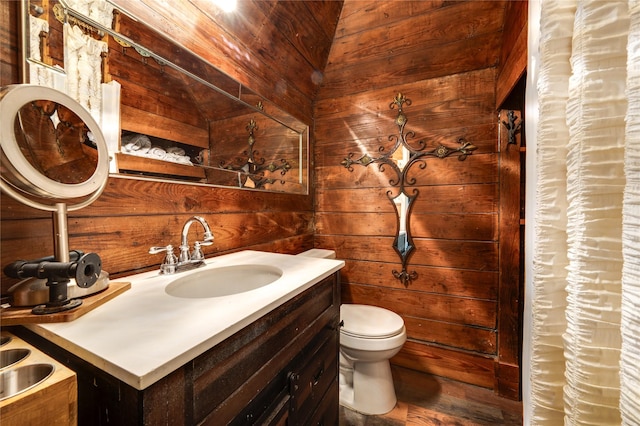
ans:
(425, 400)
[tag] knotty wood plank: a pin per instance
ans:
(20, 316)
(482, 198)
(327, 14)
(510, 308)
(380, 224)
(422, 93)
(442, 226)
(150, 124)
(9, 62)
(135, 197)
(465, 403)
(515, 23)
(422, 64)
(476, 169)
(435, 307)
(470, 338)
(298, 27)
(433, 27)
(160, 91)
(457, 365)
(360, 16)
(439, 280)
(476, 255)
(128, 163)
(462, 112)
(513, 70)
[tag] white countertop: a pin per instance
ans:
(144, 334)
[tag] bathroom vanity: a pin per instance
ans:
(267, 355)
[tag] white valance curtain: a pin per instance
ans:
(585, 325)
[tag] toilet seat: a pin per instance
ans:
(371, 322)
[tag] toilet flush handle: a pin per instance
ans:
(340, 325)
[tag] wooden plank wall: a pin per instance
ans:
(444, 56)
(9, 71)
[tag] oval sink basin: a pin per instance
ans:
(4, 340)
(17, 380)
(222, 281)
(12, 356)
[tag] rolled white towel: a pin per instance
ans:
(157, 152)
(176, 150)
(174, 158)
(184, 159)
(133, 143)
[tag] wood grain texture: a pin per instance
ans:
(19, 316)
(9, 69)
(52, 401)
(133, 215)
(513, 57)
(445, 57)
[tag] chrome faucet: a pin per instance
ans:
(197, 254)
(185, 260)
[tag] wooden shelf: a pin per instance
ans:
(151, 166)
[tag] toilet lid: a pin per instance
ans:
(369, 321)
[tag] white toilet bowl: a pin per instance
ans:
(369, 337)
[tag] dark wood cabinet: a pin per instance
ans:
(280, 370)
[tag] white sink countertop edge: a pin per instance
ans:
(144, 334)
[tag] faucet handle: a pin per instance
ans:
(170, 261)
(197, 253)
(160, 249)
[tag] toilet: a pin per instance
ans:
(369, 337)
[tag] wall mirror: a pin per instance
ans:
(166, 113)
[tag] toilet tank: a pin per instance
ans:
(321, 253)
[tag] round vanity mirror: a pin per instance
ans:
(54, 158)
(51, 146)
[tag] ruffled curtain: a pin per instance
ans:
(585, 329)
(37, 74)
(83, 64)
(97, 10)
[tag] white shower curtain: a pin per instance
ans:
(83, 65)
(584, 354)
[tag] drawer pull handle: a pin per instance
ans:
(316, 377)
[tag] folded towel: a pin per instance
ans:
(176, 150)
(157, 153)
(184, 159)
(136, 142)
(174, 158)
